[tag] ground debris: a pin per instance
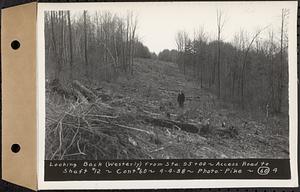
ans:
(83, 91)
(139, 118)
(188, 127)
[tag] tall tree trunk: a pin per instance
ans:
(220, 27)
(208, 71)
(62, 39)
(132, 46)
(271, 75)
(219, 66)
(54, 44)
(201, 72)
(280, 80)
(71, 46)
(85, 45)
(233, 84)
(213, 78)
(127, 45)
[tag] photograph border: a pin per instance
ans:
(159, 184)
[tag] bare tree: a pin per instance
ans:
(271, 51)
(200, 40)
(71, 45)
(284, 15)
(244, 65)
(250, 71)
(54, 45)
(220, 26)
(85, 43)
(181, 41)
(134, 26)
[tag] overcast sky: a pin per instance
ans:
(158, 22)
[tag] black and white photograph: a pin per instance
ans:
(136, 95)
(168, 81)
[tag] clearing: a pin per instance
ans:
(137, 117)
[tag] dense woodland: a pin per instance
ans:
(249, 71)
(92, 48)
(168, 55)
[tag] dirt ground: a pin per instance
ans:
(115, 126)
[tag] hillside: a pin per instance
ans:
(137, 117)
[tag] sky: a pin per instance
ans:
(158, 22)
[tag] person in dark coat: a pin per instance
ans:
(181, 99)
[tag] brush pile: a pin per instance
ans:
(95, 125)
(87, 129)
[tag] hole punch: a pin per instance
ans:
(15, 44)
(15, 148)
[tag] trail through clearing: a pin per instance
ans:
(127, 103)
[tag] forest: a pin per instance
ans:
(108, 96)
(250, 71)
(103, 45)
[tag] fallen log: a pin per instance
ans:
(87, 93)
(230, 131)
(188, 127)
(122, 126)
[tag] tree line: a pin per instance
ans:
(91, 47)
(249, 71)
(168, 55)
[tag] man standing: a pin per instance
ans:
(180, 99)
